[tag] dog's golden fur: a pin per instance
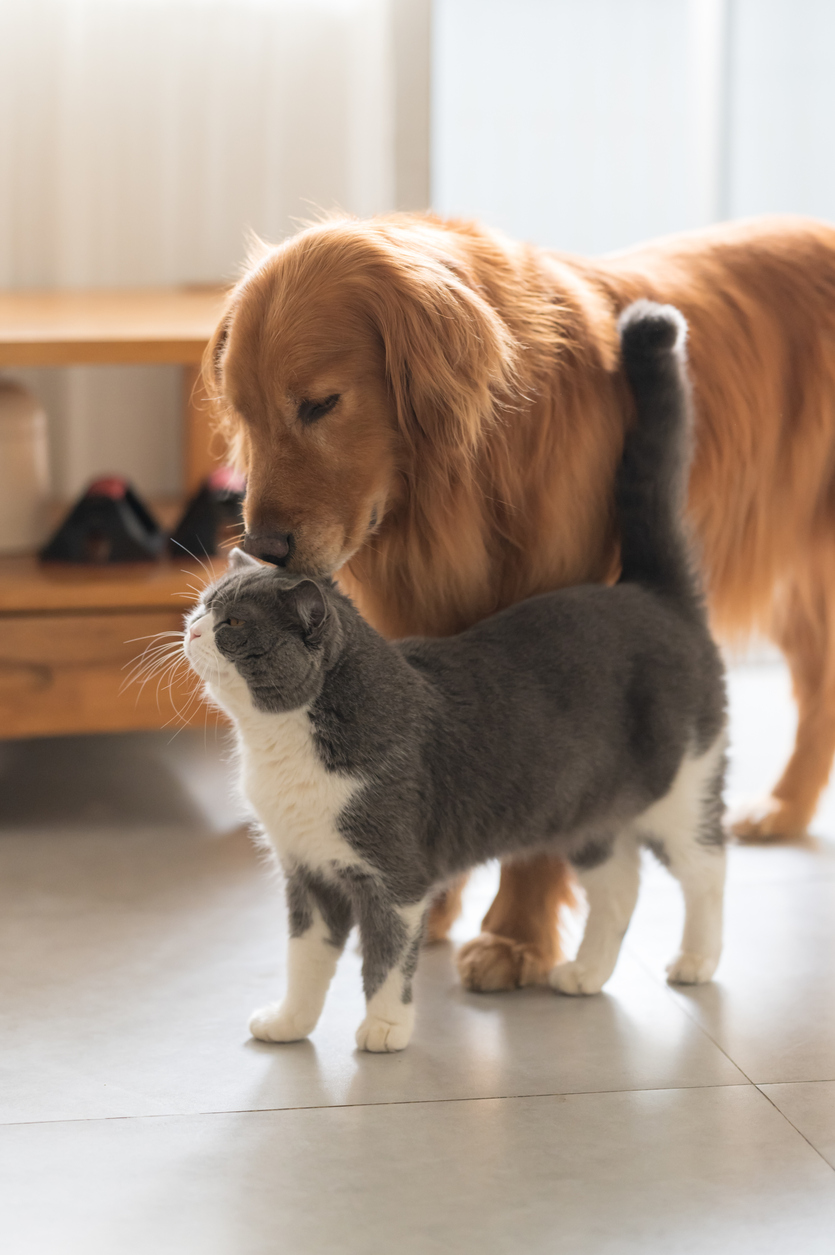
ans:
(469, 460)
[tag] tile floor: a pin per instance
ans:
(137, 1118)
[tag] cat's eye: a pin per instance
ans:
(235, 622)
(310, 411)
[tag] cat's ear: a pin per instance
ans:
(311, 607)
(240, 561)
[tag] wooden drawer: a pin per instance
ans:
(66, 673)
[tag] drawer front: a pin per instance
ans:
(68, 673)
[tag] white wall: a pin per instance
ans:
(590, 125)
(782, 116)
(580, 124)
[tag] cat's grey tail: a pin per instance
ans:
(652, 479)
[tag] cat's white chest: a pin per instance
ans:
(295, 798)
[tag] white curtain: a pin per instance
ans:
(141, 139)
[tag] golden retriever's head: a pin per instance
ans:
(352, 358)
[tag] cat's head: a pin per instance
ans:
(262, 639)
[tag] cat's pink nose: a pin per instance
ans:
(193, 633)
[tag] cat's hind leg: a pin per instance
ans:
(609, 872)
(391, 938)
(701, 873)
(698, 864)
(320, 919)
(684, 831)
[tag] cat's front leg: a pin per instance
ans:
(391, 939)
(320, 919)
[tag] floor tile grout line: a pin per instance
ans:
(792, 1125)
(685, 1009)
(354, 1106)
(758, 1087)
(818, 1080)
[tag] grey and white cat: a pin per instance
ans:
(589, 722)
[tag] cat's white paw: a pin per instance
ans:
(691, 969)
(278, 1022)
(576, 978)
(380, 1035)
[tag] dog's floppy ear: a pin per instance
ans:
(449, 356)
(226, 425)
(213, 355)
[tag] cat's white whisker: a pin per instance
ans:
(189, 592)
(148, 664)
(205, 567)
(153, 636)
(152, 653)
(183, 715)
(166, 680)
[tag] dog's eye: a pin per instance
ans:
(309, 411)
(235, 622)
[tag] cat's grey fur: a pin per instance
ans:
(586, 722)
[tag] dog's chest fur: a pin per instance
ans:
(297, 800)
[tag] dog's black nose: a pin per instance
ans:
(274, 547)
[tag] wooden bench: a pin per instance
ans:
(67, 632)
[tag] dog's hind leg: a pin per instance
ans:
(519, 942)
(804, 628)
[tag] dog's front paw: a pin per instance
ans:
(691, 969)
(379, 1036)
(490, 964)
(576, 978)
(278, 1022)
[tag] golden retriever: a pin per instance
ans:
(436, 412)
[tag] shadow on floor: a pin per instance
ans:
(133, 778)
